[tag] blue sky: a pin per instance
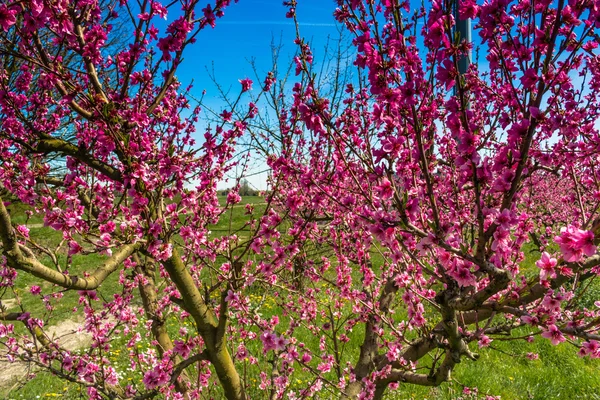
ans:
(246, 32)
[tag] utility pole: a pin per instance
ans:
(463, 29)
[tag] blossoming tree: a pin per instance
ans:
(97, 139)
(399, 221)
(437, 184)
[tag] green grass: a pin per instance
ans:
(245, 200)
(18, 212)
(503, 370)
(234, 219)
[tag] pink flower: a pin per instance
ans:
(23, 230)
(546, 264)
(505, 219)
(470, 391)
(425, 245)
(484, 341)
(436, 36)
(586, 241)
(574, 243)
(280, 343)
(35, 290)
(181, 348)
(155, 378)
(468, 9)
(446, 74)
(554, 334)
(306, 358)
(93, 393)
(5, 330)
(269, 81)
(209, 15)
(232, 297)
(273, 342)
(551, 303)
(529, 78)
(528, 319)
(312, 120)
(233, 197)
(7, 17)
(226, 115)
(74, 247)
(246, 84)
(109, 227)
(242, 352)
(393, 354)
(463, 277)
(385, 190)
(67, 363)
(268, 340)
(591, 348)
(324, 367)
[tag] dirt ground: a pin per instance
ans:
(68, 334)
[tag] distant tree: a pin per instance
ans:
(246, 189)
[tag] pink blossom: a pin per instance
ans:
(484, 341)
(233, 197)
(546, 263)
(35, 290)
(425, 245)
(529, 78)
(447, 74)
(574, 243)
(181, 348)
(6, 330)
(269, 81)
(463, 276)
(74, 247)
(505, 219)
(468, 9)
(67, 363)
(7, 17)
(306, 358)
(232, 297)
(93, 393)
(246, 84)
(268, 340)
(280, 343)
(590, 348)
(241, 352)
(23, 230)
(554, 334)
(528, 319)
(385, 189)
(209, 15)
(154, 378)
(324, 367)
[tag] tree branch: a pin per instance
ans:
(21, 258)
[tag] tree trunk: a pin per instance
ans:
(149, 296)
(206, 324)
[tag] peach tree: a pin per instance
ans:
(401, 213)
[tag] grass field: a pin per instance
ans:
(503, 370)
